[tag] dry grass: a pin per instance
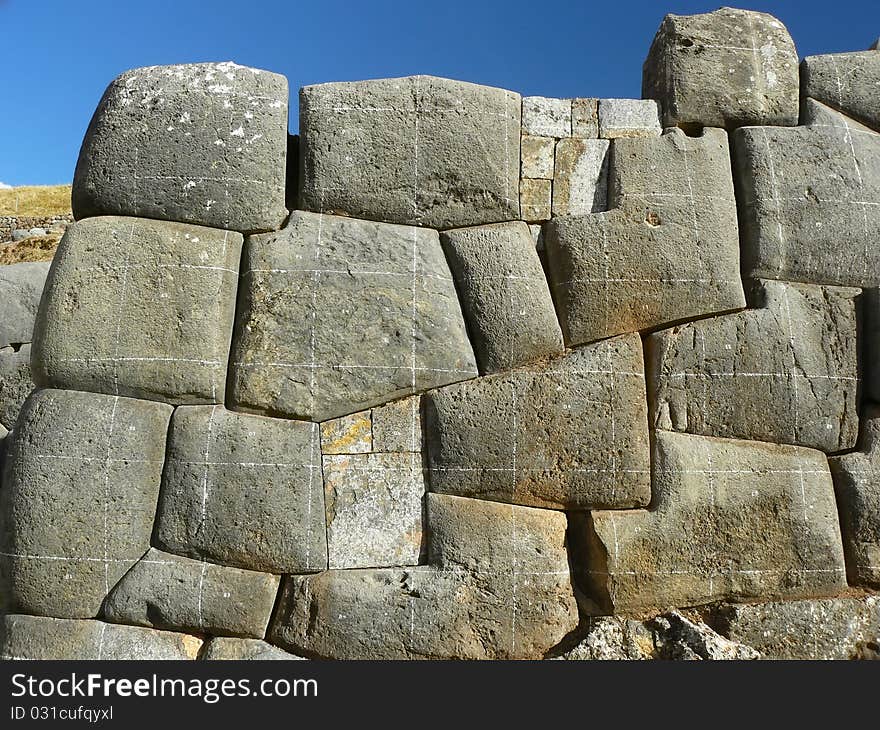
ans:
(35, 248)
(36, 201)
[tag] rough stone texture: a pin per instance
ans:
(164, 591)
(37, 637)
(834, 628)
(585, 118)
(352, 434)
(857, 483)
(79, 496)
(511, 438)
(201, 143)
(243, 491)
(224, 648)
(729, 520)
(628, 118)
(536, 197)
(848, 82)
(338, 314)
(728, 68)
(580, 179)
(374, 509)
(397, 426)
(807, 198)
(498, 586)
(20, 288)
(613, 638)
(544, 117)
(5, 441)
(786, 372)
(504, 295)
(426, 151)
(871, 338)
(15, 382)
(537, 156)
(139, 308)
(668, 250)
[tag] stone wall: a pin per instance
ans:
(456, 373)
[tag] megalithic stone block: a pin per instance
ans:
(41, 638)
(786, 372)
(808, 200)
(427, 151)
(339, 314)
(78, 500)
(15, 382)
(729, 520)
(847, 82)
(498, 586)
(201, 143)
(512, 438)
(669, 249)
(139, 308)
(857, 481)
(728, 68)
(20, 288)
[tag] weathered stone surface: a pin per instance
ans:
(585, 118)
(857, 483)
(165, 591)
(871, 337)
(397, 426)
(374, 509)
(512, 438)
(78, 500)
(728, 68)
(504, 295)
(41, 638)
(498, 587)
(537, 156)
(847, 82)
(669, 250)
(20, 288)
(201, 143)
(428, 151)
(580, 179)
(139, 308)
(536, 198)
(729, 520)
(628, 118)
(545, 117)
(613, 638)
(15, 382)
(833, 628)
(340, 314)
(352, 434)
(786, 372)
(243, 491)
(807, 198)
(224, 648)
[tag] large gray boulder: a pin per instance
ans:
(857, 482)
(569, 434)
(78, 500)
(830, 628)
(418, 150)
(846, 81)
(786, 372)
(165, 591)
(243, 491)
(729, 520)
(140, 308)
(37, 637)
(728, 68)
(339, 314)
(15, 382)
(201, 143)
(20, 288)
(224, 648)
(808, 200)
(669, 250)
(504, 294)
(497, 586)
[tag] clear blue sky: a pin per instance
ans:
(59, 55)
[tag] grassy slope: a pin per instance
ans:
(33, 201)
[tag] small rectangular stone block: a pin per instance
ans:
(846, 81)
(585, 118)
(397, 426)
(537, 157)
(629, 118)
(224, 648)
(21, 286)
(352, 434)
(536, 197)
(15, 382)
(580, 178)
(544, 117)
